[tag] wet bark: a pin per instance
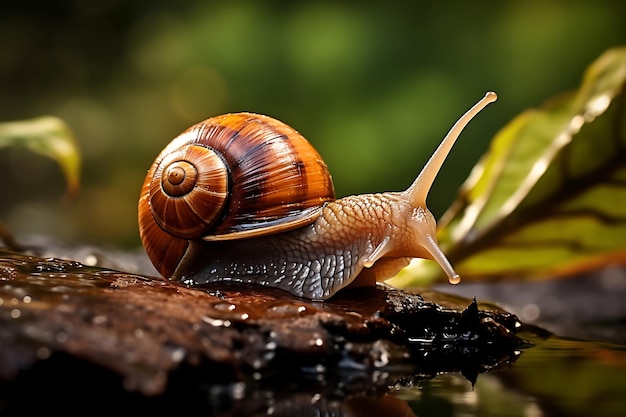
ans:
(152, 336)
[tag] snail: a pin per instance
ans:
(244, 197)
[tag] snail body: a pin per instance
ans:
(264, 212)
(318, 259)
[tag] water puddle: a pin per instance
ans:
(557, 377)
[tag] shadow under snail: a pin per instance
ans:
(244, 197)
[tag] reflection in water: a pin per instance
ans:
(557, 377)
(300, 404)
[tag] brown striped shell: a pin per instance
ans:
(233, 176)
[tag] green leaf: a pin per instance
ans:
(549, 197)
(48, 136)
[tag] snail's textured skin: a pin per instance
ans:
(317, 260)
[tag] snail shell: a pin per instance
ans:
(244, 197)
(233, 176)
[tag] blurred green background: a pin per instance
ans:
(373, 85)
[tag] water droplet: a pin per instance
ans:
(216, 322)
(178, 355)
(221, 306)
(286, 309)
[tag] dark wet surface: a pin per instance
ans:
(235, 350)
(590, 305)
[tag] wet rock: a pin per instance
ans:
(148, 331)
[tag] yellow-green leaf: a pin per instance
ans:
(549, 197)
(48, 136)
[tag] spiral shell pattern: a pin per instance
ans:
(233, 176)
(188, 191)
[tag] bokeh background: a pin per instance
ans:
(373, 85)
